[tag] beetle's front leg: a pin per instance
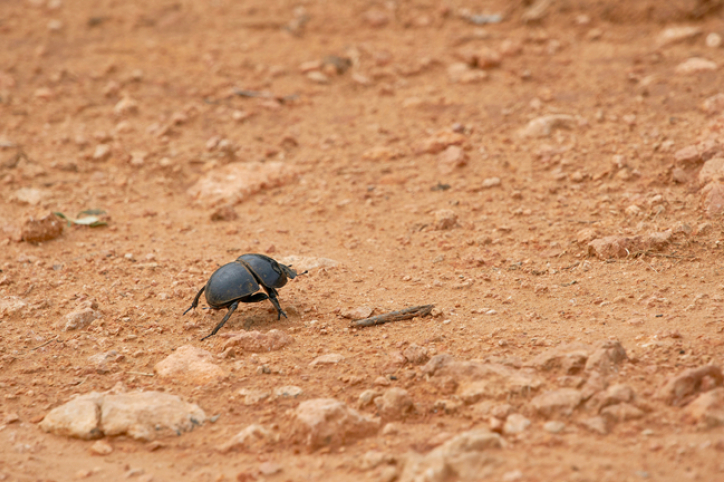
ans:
(196, 300)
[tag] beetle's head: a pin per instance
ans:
(288, 271)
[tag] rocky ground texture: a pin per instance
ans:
(549, 174)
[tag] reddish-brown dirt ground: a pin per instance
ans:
(156, 82)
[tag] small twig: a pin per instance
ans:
(46, 343)
(141, 373)
(400, 315)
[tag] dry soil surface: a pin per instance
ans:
(549, 177)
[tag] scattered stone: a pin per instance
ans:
(554, 426)
(257, 342)
(490, 182)
(570, 359)
(586, 235)
(536, 11)
(515, 424)
(101, 447)
(613, 395)
(101, 153)
(80, 318)
(544, 126)
(368, 396)
(712, 171)
(714, 104)
(11, 306)
(100, 360)
(30, 195)
(612, 247)
(463, 457)
(621, 412)
(596, 424)
(288, 391)
(417, 355)
(463, 73)
(376, 18)
(560, 402)
(695, 65)
(304, 263)
(452, 158)
(687, 156)
(44, 229)
(707, 409)
(252, 396)
(190, 365)
(441, 141)
(224, 213)
(359, 313)
(713, 203)
(681, 388)
(125, 106)
(78, 418)
(253, 437)
(270, 468)
(606, 357)
(475, 381)
(236, 182)
(445, 219)
(673, 35)
(394, 403)
(657, 241)
(382, 153)
(713, 40)
(329, 422)
(327, 359)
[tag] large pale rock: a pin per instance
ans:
(713, 199)
(612, 247)
(11, 306)
(146, 415)
(712, 171)
(80, 318)
(192, 365)
(569, 358)
(79, 418)
(394, 403)
(329, 422)
(707, 409)
(475, 380)
(464, 457)
(557, 402)
(613, 395)
(235, 182)
(306, 263)
(254, 436)
(673, 35)
(545, 125)
(257, 342)
(606, 358)
(141, 415)
(688, 383)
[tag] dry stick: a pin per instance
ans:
(400, 315)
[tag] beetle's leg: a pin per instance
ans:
(232, 308)
(273, 294)
(196, 300)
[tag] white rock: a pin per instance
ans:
(358, 313)
(252, 396)
(235, 182)
(327, 359)
(394, 403)
(326, 421)
(79, 319)
(545, 125)
(490, 182)
(11, 306)
(253, 436)
(145, 415)
(515, 424)
(673, 35)
(288, 391)
(695, 65)
(713, 40)
(102, 152)
(29, 195)
(304, 263)
(712, 171)
(78, 418)
(554, 426)
(191, 365)
(445, 219)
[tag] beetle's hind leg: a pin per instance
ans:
(232, 308)
(273, 297)
(196, 300)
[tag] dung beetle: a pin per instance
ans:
(238, 282)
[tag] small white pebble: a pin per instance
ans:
(713, 40)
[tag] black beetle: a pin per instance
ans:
(238, 282)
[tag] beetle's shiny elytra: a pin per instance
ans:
(238, 282)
